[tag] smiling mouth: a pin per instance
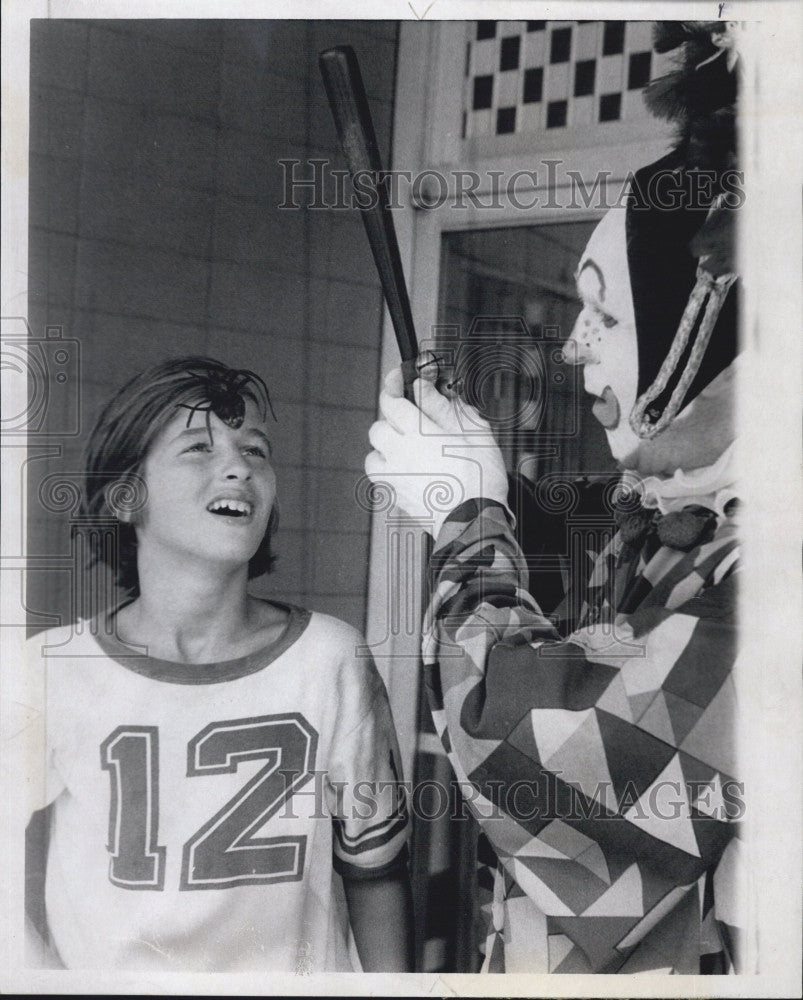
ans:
(231, 508)
(606, 408)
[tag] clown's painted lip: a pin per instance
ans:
(606, 408)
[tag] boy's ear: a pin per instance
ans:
(126, 497)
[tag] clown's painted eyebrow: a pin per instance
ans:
(600, 277)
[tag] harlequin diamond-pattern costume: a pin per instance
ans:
(600, 765)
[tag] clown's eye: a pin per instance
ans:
(256, 450)
(198, 446)
(606, 320)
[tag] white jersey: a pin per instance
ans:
(201, 810)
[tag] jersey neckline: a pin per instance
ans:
(175, 672)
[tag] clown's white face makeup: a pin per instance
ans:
(604, 342)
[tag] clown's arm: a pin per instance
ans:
(518, 706)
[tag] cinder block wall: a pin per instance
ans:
(155, 231)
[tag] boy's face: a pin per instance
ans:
(211, 489)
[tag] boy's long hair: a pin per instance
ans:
(124, 432)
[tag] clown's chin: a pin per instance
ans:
(606, 409)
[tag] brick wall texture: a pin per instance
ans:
(155, 230)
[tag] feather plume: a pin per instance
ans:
(699, 94)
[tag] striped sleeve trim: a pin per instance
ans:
(371, 838)
(353, 873)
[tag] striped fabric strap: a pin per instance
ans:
(708, 291)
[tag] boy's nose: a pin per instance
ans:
(235, 465)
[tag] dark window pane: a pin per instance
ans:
(509, 53)
(533, 85)
(556, 114)
(483, 92)
(584, 73)
(505, 120)
(561, 45)
(609, 107)
(638, 74)
(486, 29)
(536, 25)
(613, 40)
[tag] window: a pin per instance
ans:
(613, 39)
(505, 121)
(486, 29)
(556, 114)
(610, 106)
(509, 53)
(560, 45)
(536, 25)
(533, 85)
(638, 74)
(483, 92)
(584, 74)
(489, 275)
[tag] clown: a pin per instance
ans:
(622, 856)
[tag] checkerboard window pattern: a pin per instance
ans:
(535, 76)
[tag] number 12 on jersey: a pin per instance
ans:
(224, 852)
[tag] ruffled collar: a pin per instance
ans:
(713, 486)
(682, 511)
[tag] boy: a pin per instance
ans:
(203, 745)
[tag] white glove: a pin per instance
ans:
(435, 456)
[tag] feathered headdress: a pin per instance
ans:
(700, 94)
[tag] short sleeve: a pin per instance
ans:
(366, 791)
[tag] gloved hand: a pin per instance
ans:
(433, 456)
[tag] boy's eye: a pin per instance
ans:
(198, 446)
(255, 449)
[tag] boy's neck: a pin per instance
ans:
(189, 614)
